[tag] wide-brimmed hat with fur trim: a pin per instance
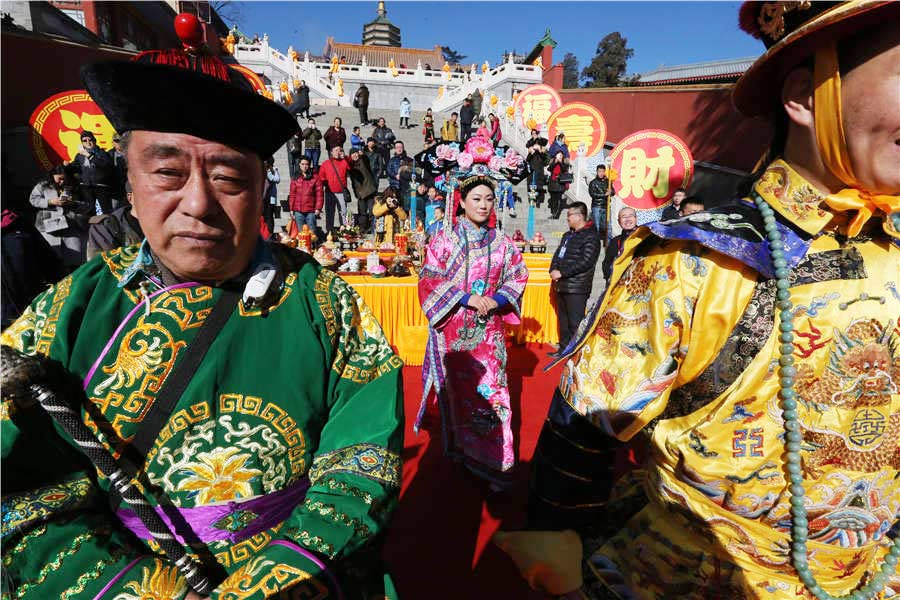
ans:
(188, 91)
(792, 30)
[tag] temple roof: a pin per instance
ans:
(538, 48)
(379, 56)
(724, 70)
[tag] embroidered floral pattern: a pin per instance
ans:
(163, 583)
(219, 475)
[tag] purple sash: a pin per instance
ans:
(233, 521)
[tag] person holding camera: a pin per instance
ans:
(60, 218)
(560, 178)
(389, 216)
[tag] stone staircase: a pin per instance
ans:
(413, 139)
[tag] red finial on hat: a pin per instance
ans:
(748, 18)
(189, 30)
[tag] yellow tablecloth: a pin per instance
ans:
(395, 303)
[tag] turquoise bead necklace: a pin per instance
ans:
(793, 435)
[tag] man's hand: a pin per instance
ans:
(192, 595)
(555, 275)
(318, 213)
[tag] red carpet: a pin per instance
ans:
(438, 545)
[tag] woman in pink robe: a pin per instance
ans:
(470, 286)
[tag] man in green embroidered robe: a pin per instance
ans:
(280, 460)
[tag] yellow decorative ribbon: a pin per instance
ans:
(833, 146)
(864, 204)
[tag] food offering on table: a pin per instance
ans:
(329, 241)
(378, 271)
(519, 240)
(401, 240)
(386, 247)
(372, 261)
(328, 256)
(348, 236)
(353, 265)
(305, 239)
(538, 244)
(399, 267)
(366, 246)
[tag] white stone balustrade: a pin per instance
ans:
(385, 88)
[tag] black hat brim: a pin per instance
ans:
(154, 97)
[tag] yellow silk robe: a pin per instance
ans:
(685, 349)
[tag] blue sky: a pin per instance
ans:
(668, 33)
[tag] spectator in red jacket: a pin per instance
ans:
(335, 135)
(306, 197)
(334, 173)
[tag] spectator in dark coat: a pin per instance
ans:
(477, 99)
(555, 185)
(559, 145)
(399, 171)
(307, 196)
(312, 142)
(361, 102)
(118, 228)
(538, 159)
(673, 211)
(384, 138)
(295, 151)
(598, 190)
(628, 223)
(572, 270)
(376, 161)
(93, 170)
(335, 136)
(300, 106)
(466, 116)
(120, 171)
(365, 186)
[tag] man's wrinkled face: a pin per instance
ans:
(677, 198)
(627, 219)
(198, 202)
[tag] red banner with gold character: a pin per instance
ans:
(649, 166)
(536, 103)
(583, 125)
(57, 123)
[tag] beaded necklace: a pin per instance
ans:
(793, 435)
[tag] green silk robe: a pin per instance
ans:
(309, 388)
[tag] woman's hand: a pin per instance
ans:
(489, 304)
(483, 305)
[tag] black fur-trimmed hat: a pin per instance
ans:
(188, 91)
